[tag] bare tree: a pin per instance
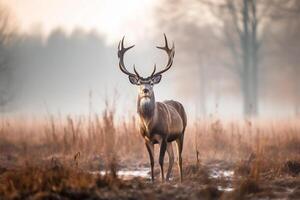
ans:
(196, 45)
(241, 37)
(246, 25)
(6, 34)
(241, 23)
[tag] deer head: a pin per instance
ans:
(145, 84)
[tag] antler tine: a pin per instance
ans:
(170, 52)
(122, 49)
(135, 71)
(153, 70)
(166, 47)
(121, 52)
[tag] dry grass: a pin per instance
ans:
(59, 182)
(100, 137)
(52, 155)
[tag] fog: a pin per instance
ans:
(64, 72)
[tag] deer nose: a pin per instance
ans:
(145, 90)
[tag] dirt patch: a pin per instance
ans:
(292, 167)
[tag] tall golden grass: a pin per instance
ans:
(49, 157)
(95, 140)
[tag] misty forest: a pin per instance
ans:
(83, 115)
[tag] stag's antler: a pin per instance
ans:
(170, 52)
(121, 52)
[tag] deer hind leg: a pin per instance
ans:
(150, 149)
(179, 143)
(162, 151)
(171, 159)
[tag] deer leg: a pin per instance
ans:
(150, 149)
(171, 160)
(179, 143)
(162, 151)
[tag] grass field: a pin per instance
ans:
(99, 157)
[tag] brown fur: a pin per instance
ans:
(165, 124)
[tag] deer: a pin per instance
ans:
(160, 122)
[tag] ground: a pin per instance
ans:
(215, 179)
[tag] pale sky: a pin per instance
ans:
(108, 17)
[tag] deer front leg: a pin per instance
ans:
(162, 151)
(150, 149)
(171, 160)
(179, 143)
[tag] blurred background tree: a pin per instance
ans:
(247, 25)
(245, 38)
(7, 29)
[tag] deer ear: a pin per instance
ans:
(156, 79)
(133, 80)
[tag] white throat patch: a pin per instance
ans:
(145, 101)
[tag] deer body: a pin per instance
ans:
(160, 122)
(171, 113)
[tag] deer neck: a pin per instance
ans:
(146, 109)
